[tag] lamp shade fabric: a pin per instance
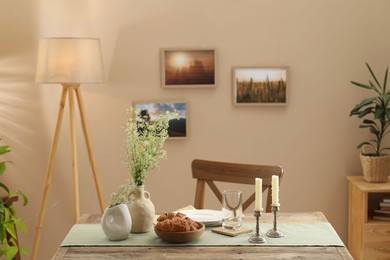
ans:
(69, 61)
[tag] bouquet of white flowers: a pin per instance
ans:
(144, 142)
(143, 148)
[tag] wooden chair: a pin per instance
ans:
(210, 171)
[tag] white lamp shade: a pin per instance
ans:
(69, 61)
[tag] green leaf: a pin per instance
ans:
(17, 194)
(10, 227)
(4, 149)
(388, 113)
(374, 131)
(2, 185)
(2, 168)
(2, 209)
(363, 103)
(379, 112)
(9, 222)
(369, 122)
(386, 132)
(24, 250)
(374, 141)
(25, 198)
(364, 143)
(383, 149)
(385, 99)
(6, 216)
(385, 80)
(11, 252)
(21, 225)
(362, 85)
(365, 112)
(377, 89)
(372, 74)
(2, 233)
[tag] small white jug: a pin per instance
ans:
(116, 222)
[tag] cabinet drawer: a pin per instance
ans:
(377, 240)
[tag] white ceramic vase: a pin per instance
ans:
(142, 210)
(116, 222)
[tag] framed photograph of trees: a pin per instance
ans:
(177, 127)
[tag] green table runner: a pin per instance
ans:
(296, 234)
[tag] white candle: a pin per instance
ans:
(258, 194)
(275, 190)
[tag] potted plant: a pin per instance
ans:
(9, 221)
(375, 112)
(144, 143)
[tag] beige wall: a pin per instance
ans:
(324, 44)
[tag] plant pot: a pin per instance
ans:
(116, 222)
(142, 210)
(375, 168)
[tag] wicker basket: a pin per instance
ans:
(375, 168)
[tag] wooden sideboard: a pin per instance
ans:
(367, 238)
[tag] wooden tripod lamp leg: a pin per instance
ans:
(49, 170)
(73, 145)
(89, 148)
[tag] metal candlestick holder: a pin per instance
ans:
(257, 238)
(275, 232)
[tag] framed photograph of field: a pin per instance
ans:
(259, 86)
(177, 127)
(188, 68)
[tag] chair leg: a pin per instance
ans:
(199, 194)
(269, 199)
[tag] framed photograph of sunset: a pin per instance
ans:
(188, 68)
(259, 86)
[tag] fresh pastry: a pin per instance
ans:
(176, 222)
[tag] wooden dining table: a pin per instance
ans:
(209, 252)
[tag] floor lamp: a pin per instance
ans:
(70, 62)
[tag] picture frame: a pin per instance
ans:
(188, 68)
(260, 86)
(178, 128)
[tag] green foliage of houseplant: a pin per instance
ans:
(8, 217)
(375, 112)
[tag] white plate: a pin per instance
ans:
(208, 217)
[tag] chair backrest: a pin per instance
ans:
(210, 171)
